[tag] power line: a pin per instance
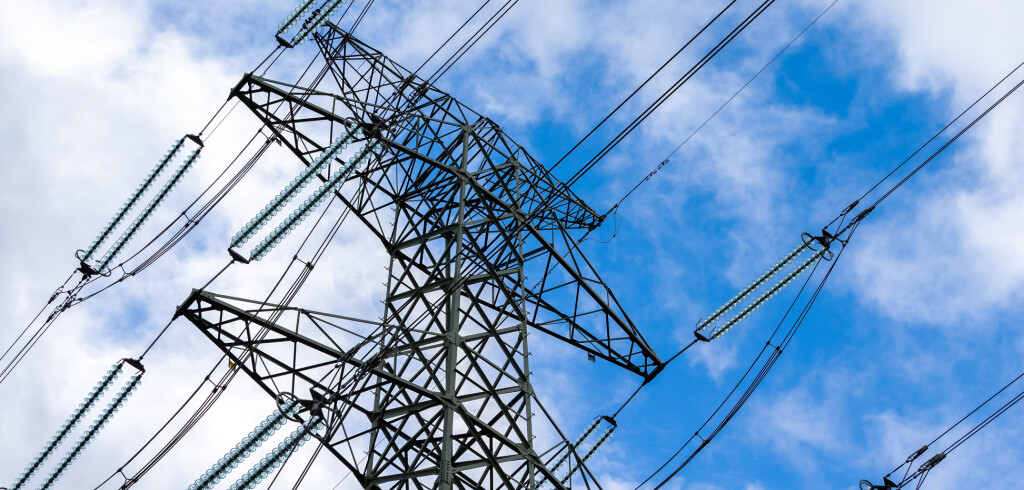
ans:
(925, 468)
(452, 36)
(359, 19)
(644, 84)
(665, 161)
(953, 139)
(473, 39)
(849, 228)
(774, 349)
(689, 74)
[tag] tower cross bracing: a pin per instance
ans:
(482, 247)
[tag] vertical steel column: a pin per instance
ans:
(446, 474)
(523, 330)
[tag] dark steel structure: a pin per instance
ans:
(482, 245)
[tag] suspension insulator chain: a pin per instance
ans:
(772, 272)
(570, 448)
(318, 19)
(586, 457)
(150, 208)
(292, 189)
(279, 454)
(133, 199)
(95, 428)
(767, 288)
(768, 294)
(314, 201)
(69, 425)
(565, 453)
(301, 11)
(243, 449)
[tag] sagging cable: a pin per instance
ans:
(244, 448)
(767, 288)
(68, 426)
(315, 21)
(293, 189)
(150, 208)
(301, 11)
(279, 454)
(313, 201)
(132, 200)
(97, 425)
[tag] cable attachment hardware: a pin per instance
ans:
(887, 484)
(850, 208)
(917, 454)
(932, 462)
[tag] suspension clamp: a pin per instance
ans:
(283, 42)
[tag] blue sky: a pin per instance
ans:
(918, 324)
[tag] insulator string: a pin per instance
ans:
(133, 199)
(68, 426)
(325, 191)
(271, 461)
(243, 449)
(148, 211)
(97, 425)
(294, 187)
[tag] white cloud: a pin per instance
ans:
(718, 358)
(95, 93)
(90, 110)
(991, 456)
(949, 252)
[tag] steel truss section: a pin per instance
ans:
(482, 246)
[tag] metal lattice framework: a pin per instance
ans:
(481, 240)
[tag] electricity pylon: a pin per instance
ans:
(482, 246)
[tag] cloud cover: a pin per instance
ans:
(116, 82)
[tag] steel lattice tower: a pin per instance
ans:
(481, 240)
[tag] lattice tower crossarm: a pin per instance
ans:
(481, 240)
